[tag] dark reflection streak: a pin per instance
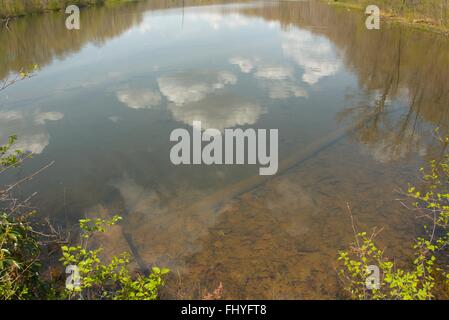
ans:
(398, 76)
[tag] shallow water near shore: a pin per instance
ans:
(355, 111)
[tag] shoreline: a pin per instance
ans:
(420, 24)
(5, 18)
(423, 24)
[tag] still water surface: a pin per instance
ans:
(355, 110)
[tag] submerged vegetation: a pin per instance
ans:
(428, 275)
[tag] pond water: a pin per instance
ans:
(355, 111)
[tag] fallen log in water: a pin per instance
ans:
(203, 208)
(217, 199)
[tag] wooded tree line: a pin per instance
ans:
(11, 8)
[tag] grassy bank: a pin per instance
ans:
(15, 8)
(431, 15)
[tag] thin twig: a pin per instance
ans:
(28, 178)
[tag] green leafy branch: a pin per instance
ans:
(112, 280)
(419, 281)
